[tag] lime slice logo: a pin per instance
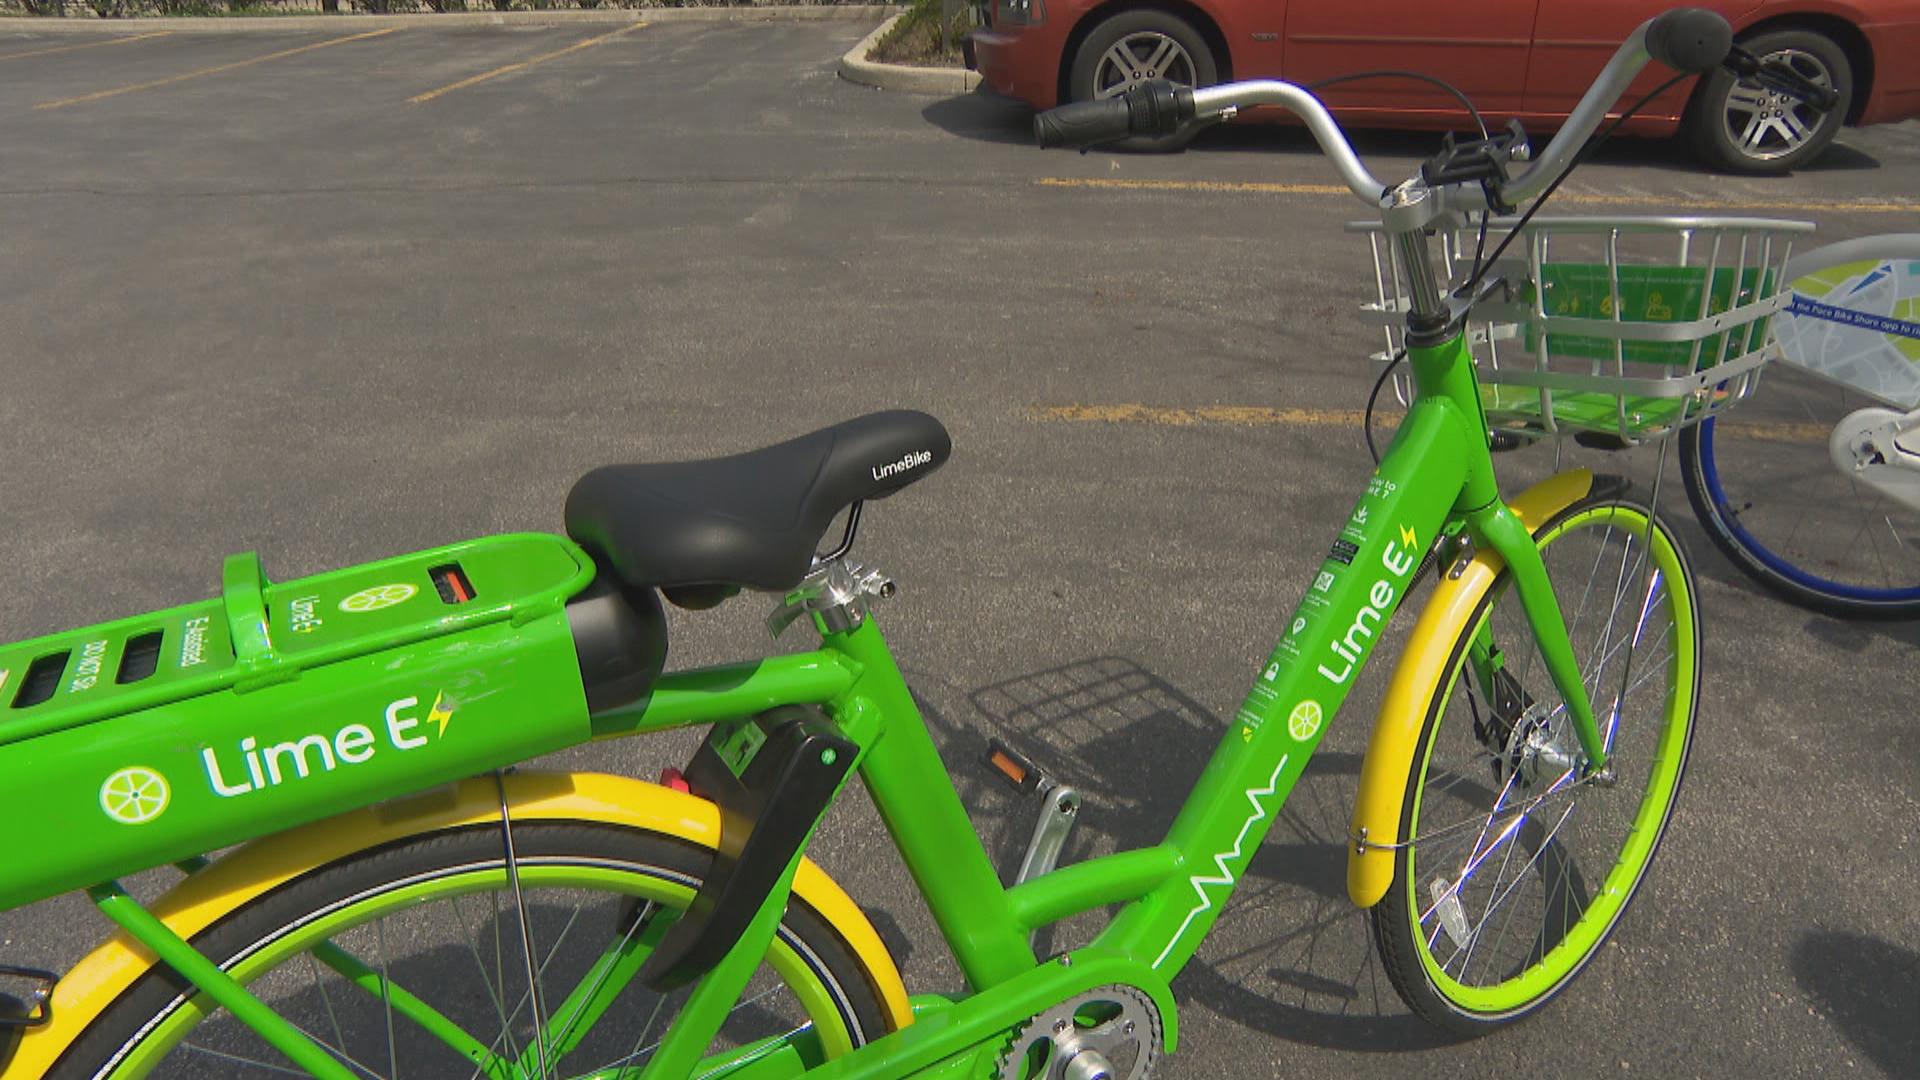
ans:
(135, 795)
(380, 596)
(1303, 722)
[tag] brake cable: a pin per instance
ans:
(1579, 158)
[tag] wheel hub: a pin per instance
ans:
(1543, 746)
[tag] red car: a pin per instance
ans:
(1524, 58)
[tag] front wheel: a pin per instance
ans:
(1519, 865)
(1133, 47)
(425, 958)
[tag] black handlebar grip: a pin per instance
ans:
(1692, 40)
(1084, 123)
(1154, 108)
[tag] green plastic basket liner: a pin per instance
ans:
(1585, 410)
(1656, 294)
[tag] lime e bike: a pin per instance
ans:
(403, 903)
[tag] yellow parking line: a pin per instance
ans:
(171, 79)
(89, 45)
(1835, 206)
(511, 68)
(1263, 416)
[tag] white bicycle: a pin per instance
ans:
(1816, 492)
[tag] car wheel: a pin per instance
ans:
(1135, 46)
(1740, 126)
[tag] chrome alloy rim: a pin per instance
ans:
(1148, 54)
(1765, 124)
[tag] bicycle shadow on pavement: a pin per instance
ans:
(982, 117)
(1292, 958)
(1870, 988)
(1846, 635)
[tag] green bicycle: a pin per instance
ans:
(402, 904)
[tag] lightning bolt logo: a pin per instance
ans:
(441, 711)
(1407, 535)
(1200, 882)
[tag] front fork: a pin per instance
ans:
(1505, 533)
(1445, 370)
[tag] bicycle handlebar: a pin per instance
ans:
(1156, 107)
(1690, 40)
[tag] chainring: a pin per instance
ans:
(1117, 1023)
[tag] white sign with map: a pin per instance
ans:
(1855, 316)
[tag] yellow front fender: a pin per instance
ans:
(201, 899)
(1396, 732)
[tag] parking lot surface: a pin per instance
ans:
(335, 295)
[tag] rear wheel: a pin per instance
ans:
(356, 952)
(1741, 126)
(1133, 47)
(1518, 866)
(1770, 497)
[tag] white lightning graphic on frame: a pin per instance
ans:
(1200, 882)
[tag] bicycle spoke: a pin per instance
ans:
(339, 1052)
(249, 1062)
(499, 1009)
(313, 969)
(1474, 933)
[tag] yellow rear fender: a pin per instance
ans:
(1403, 713)
(205, 897)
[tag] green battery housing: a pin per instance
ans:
(149, 740)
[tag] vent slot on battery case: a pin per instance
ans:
(141, 657)
(41, 680)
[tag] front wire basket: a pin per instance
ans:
(1625, 328)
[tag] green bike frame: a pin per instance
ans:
(1436, 478)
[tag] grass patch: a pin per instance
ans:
(915, 39)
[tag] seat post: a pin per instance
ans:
(836, 592)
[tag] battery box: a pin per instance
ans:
(148, 740)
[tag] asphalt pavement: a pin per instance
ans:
(335, 295)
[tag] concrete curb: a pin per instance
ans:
(348, 21)
(856, 68)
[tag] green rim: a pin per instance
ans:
(1566, 958)
(632, 880)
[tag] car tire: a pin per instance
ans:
(1736, 125)
(1144, 43)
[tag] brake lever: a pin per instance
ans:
(1778, 77)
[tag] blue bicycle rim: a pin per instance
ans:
(1710, 475)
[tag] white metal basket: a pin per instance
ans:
(1627, 327)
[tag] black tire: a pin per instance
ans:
(1777, 145)
(1189, 62)
(454, 860)
(1498, 762)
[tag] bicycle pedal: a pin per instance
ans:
(1059, 807)
(1017, 769)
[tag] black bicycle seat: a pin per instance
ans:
(752, 520)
